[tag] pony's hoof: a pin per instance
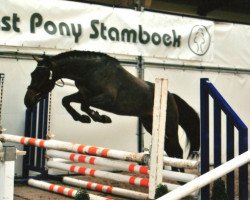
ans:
(84, 119)
(105, 119)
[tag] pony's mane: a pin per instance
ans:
(82, 54)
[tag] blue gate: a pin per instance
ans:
(36, 127)
(232, 121)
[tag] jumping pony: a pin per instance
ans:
(103, 83)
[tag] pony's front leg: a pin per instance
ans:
(103, 101)
(76, 97)
(95, 115)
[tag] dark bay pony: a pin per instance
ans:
(103, 83)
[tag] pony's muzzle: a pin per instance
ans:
(31, 98)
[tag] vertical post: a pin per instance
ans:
(204, 135)
(140, 143)
(158, 135)
(39, 151)
(1, 100)
(230, 155)
(46, 129)
(7, 159)
(243, 171)
(217, 135)
(7, 171)
(33, 133)
(27, 131)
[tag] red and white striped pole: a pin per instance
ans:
(118, 165)
(105, 188)
(78, 148)
(92, 150)
(132, 180)
(181, 163)
(61, 189)
(143, 182)
(93, 160)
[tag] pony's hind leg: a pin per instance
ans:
(147, 122)
(172, 145)
(76, 97)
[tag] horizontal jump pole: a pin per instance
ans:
(178, 176)
(69, 192)
(181, 163)
(72, 147)
(93, 160)
(132, 180)
(143, 182)
(118, 165)
(93, 150)
(208, 177)
(105, 188)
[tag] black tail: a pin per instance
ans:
(190, 122)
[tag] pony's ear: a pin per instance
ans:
(36, 58)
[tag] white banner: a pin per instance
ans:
(67, 25)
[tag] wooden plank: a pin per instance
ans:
(158, 135)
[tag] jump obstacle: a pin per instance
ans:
(233, 121)
(98, 151)
(126, 166)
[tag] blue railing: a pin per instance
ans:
(232, 121)
(36, 127)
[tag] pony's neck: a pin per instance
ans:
(69, 70)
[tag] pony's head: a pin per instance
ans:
(42, 82)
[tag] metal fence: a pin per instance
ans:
(232, 121)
